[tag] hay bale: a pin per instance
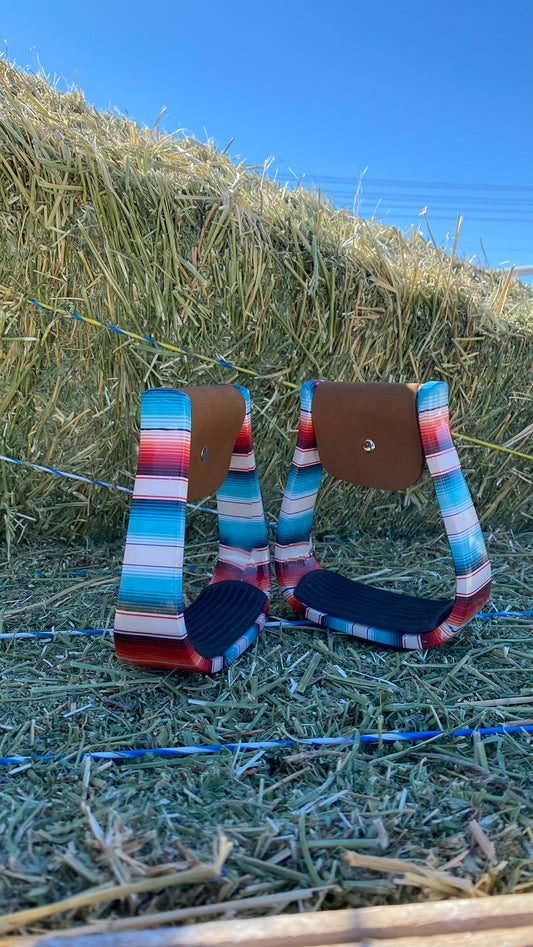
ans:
(169, 238)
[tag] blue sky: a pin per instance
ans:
(410, 94)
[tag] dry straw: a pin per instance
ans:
(442, 818)
(169, 238)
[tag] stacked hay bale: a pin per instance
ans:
(172, 239)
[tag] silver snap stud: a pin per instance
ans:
(368, 445)
(204, 453)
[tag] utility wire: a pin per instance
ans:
(391, 217)
(446, 199)
(483, 203)
(427, 185)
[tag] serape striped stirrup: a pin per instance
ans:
(194, 442)
(378, 435)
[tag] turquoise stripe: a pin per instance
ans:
(432, 395)
(234, 652)
(242, 535)
(166, 409)
(162, 530)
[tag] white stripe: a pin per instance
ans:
(174, 436)
(434, 412)
(299, 503)
(240, 509)
(168, 626)
(291, 497)
(475, 581)
(167, 557)
(161, 488)
(444, 462)
(294, 551)
(261, 557)
(242, 461)
(304, 458)
(412, 642)
(457, 523)
(243, 559)
(235, 557)
(359, 631)
(355, 629)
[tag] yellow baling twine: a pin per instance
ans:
(238, 368)
(163, 345)
(506, 450)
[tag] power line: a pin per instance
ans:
(491, 219)
(381, 209)
(427, 185)
(397, 202)
(403, 200)
(447, 199)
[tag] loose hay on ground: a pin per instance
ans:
(291, 814)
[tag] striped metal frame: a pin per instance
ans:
(150, 621)
(294, 555)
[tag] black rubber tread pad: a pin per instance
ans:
(221, 614)
(340, 597)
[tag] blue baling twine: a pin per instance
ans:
(146, 338)
(73, 476)
(384, 737)
(98, 483)
(62, 473)
(389, 736)
(304, 623)
(117, 756)
(113, 486)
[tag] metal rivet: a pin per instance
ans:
(368, 445)
(204, 453)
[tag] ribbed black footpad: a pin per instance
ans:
(338, 596)
(221, 614)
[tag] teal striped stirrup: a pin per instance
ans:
(378, 435)
(194, 442)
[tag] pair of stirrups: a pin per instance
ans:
(198, 441)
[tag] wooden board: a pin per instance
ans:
(505, 921)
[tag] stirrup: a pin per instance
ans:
(194, 442)
(378, 435)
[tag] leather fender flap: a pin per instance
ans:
(217, 414)
(367, 433)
